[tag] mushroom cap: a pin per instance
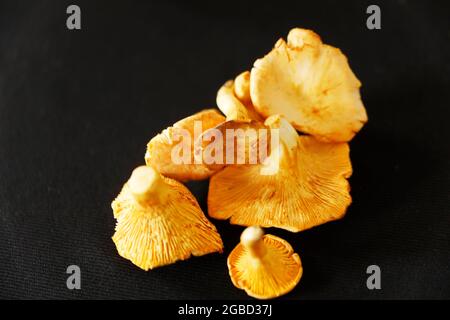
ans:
(159, 149)
(309, 188)
(160, 222)
(273, 273)
(311, 84)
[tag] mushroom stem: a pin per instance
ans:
(146, 185)
(251, 239)
(287, 133)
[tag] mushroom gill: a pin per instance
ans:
(160, 222)
(305, 187)
(265, 266)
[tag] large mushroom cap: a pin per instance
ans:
(308, 188)
(174, 139)
(311, 84)
(159, 222)
(265, 266)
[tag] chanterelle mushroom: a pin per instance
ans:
(161, 148)
(307, 185)
(311, 84)
(233, 99)
(242, 87)
(159, 221)
(265, 266)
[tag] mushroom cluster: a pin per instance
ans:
(303, 101)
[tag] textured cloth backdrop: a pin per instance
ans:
(78, 107)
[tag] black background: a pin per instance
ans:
(78, 107)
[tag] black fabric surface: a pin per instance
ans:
(78, 107)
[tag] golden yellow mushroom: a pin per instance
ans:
(233, 99)
(159, 221)
(179, 140)
(265, 266)
(242, 87)
(311, 84)
(301, 184)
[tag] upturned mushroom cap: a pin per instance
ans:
(265, 266)
(159, 222)
(160, 148)
(309, 188)
(311, 84)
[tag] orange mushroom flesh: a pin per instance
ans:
(179, 140)
(311, 84)
(265, 266)
(306, 184)
(160, 222)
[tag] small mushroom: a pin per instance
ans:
(265, 266)
(160, 149)
(311, 84)
(159, 221)
(306, 185)
(233, 99)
